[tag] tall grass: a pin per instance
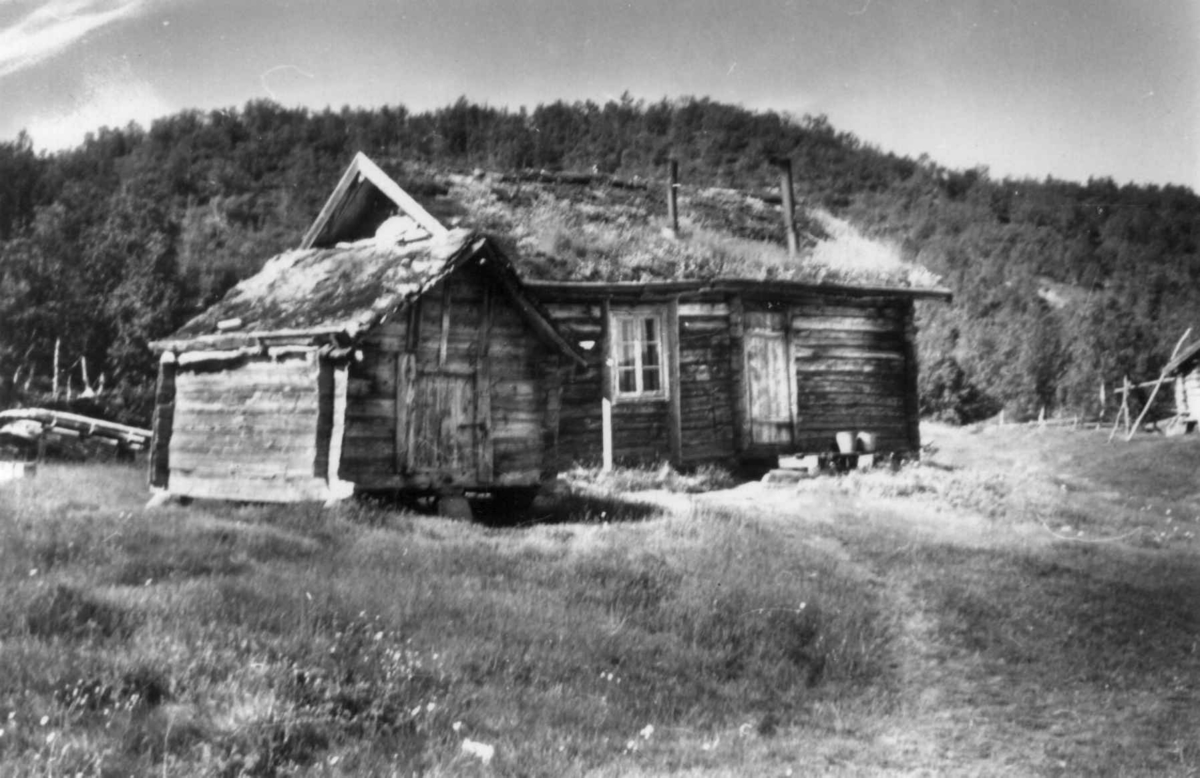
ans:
(229, 641)
(921, 620)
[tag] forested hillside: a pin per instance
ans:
(1057, 285)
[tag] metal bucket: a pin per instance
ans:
(845, 442)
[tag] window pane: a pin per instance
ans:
(651, 380)
(627, 331)
(651, 330)
(627, 355)
(626, 381)
(650, 355)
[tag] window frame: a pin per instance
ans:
(639, 316)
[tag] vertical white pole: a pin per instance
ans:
(606, 422)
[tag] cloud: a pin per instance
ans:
(53, 25)
(111, 96)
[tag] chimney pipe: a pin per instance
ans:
(672, 198)
(789, 206)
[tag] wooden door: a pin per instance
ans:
(444, 423)
(769, 387)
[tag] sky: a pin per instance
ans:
(1073, 89)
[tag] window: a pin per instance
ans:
(638, 356)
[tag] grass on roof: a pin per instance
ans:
(585, 233)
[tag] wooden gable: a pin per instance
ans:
(365, 198)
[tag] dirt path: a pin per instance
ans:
(942, 721)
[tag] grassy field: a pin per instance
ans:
(1021, 603)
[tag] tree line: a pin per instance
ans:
(1058, 285)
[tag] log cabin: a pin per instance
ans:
(735, 371)
(386, 354)
(380, 347)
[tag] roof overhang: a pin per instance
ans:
(629, 290)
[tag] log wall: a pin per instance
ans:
(248, 429)
(854, 368)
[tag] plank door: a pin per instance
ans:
(769, 387)
(444, 423)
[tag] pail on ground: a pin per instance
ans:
(867, 442)
(845, 442)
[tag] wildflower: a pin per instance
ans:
(33, 572)
(631, 745)
(429, 708)
(647, 732)
(456, 726)
(50, 737)
(45, 720)
(482, 751)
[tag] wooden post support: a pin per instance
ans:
(1157, 384)
(406, 375)
(606, 385)
(54, 382)
(912, 401)
(737, 370)
(793, 393)
(674, 393)
(444, 342)
(162, 424)
(1123, 411)
(483, 394)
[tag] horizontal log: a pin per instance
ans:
(884, 341)
(803, 322)
(826, 425)
(849, 367)
(257, 366)
(819, 308)
(212, 445)
(719, 310)
(580, 329)
(245, 393)
(234, 408)
(251, 464)
(248, 489)
(517, 428)
(517, 415)
(359, 431)
(364, 409)
(810, 353)
(573, 310)
(706, 326)
(893, 401)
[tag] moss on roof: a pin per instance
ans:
(346, 289)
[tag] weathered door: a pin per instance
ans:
(444, 422)
(769, 382)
